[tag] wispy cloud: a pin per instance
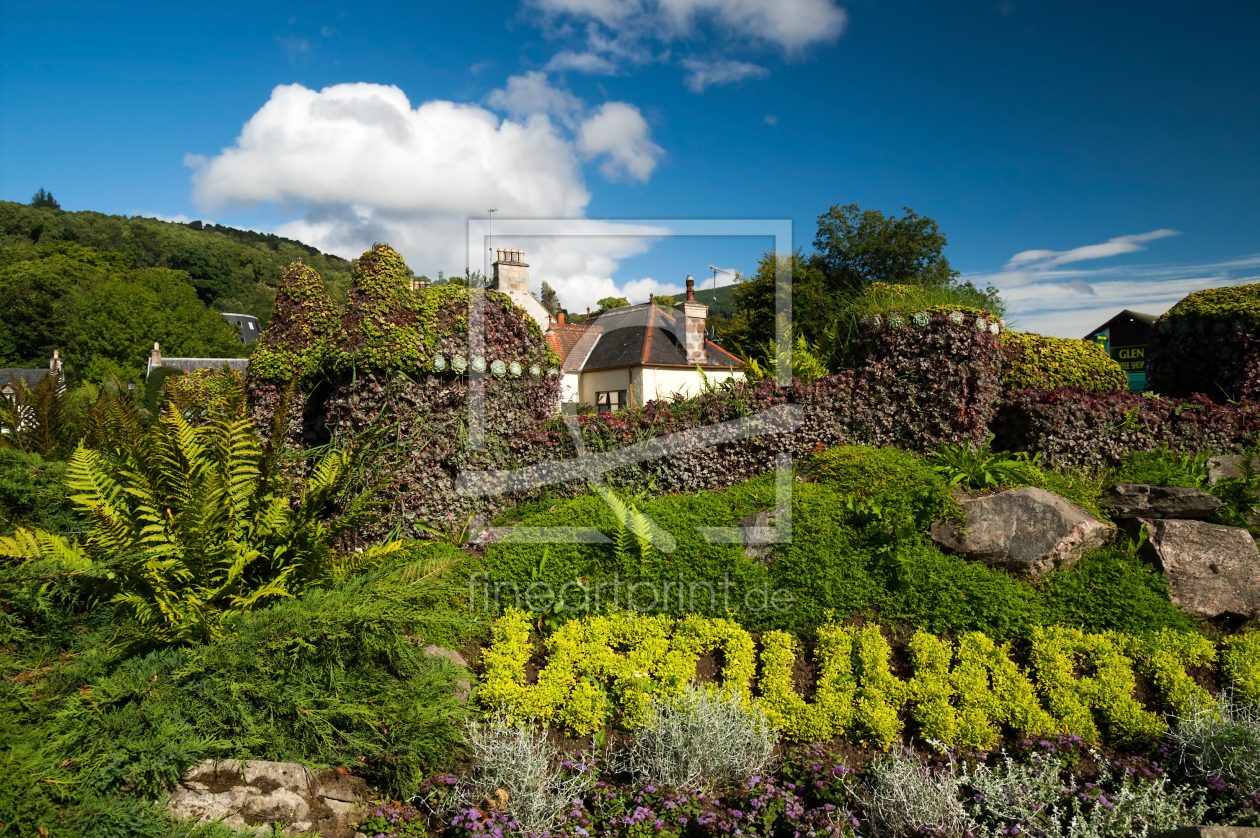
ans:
(1050, 293)
(702, 74)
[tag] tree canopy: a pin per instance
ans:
(43, 199)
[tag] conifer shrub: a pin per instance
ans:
(1031, 360)
(1209, 343)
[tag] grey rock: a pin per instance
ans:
(1141, 500)
(1228, 466)
(1211, 569)
(1212, 832)
(1023, 529)
(757, 536)
(242, 794)
(463, 686)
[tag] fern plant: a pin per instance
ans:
(191, 524)
(980, 467)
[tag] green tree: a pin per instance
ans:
(856, 248)
(550, 299)
(113, 325)
(814, 308)
(612, 302)
(44, 200)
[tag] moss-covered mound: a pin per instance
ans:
(201, 392)
(1030, 360)
(1209, 343)
(303, 329)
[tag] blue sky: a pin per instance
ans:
(1083, 156)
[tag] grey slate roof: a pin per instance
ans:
(644, 335)
(28, 376)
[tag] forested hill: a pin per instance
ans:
(102, 288)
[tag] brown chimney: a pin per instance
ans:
(691, 289)
(561, 316)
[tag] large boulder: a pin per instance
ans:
(1141, 500)
(1024, 529)
(248, 794)
(1211, 569)
(1228, 467)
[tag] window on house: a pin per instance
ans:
(610, 401)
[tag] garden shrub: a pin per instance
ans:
(1073, 427)
(1162, 467)
(1209, 343)
(1111, 589)
(1241, 659)
(202, 393)
(304, 329)
(1031, 360)
(33, 493)
(1220, 741)
(960, 693)
(1057, 652)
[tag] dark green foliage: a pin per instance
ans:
(1162, 467)
(335, 677)
(33, 493)
(1111, 589)
(1030, 360)
(977, 466)
(1209, 343)
(609, 303)
(857, 248)
(43, 199)
(1240, 499)
(232, 270)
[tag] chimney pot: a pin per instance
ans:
(691, 289)
(561, 316)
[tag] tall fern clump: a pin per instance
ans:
(190, 523)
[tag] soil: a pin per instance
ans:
(217, 781)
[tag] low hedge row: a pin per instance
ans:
(1074, 427)
(1031, 360)
(960, 692)
(1209, 343)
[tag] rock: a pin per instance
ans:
(1140, 500)
(1212, 832)
(1023, 529)
(757, 534)
(1211, 569)
(463, 687)
(248, 794)
(1228, 466)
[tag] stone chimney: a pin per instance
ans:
(155, 356)
(689, 319)
(510, 271)
(54, 365)
(511, 276)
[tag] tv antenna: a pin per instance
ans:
(716, 270)
(491, 212)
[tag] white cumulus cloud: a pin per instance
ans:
(619, 133)
(358, 163)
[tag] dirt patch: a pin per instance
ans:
(218, 781)
(709, 666)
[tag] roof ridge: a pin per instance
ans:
(647, 341)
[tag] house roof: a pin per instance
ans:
(643, 335)
(562, 337)
(28, 376)
(1124, 316)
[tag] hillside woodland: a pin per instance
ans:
(943, 578)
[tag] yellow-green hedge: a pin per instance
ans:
(960, 692)
(1030, 360)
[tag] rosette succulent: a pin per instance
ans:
(895, 321)
(479, 364)
(956, 317)
(514, 369)
(982, 325)
(459, 363)
(535, 370)
(922, 318)
(439, 363)
(498, 369)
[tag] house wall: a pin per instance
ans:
(570, 386)
(663, 382)
(601, 380)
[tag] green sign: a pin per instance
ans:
(1132, 359)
